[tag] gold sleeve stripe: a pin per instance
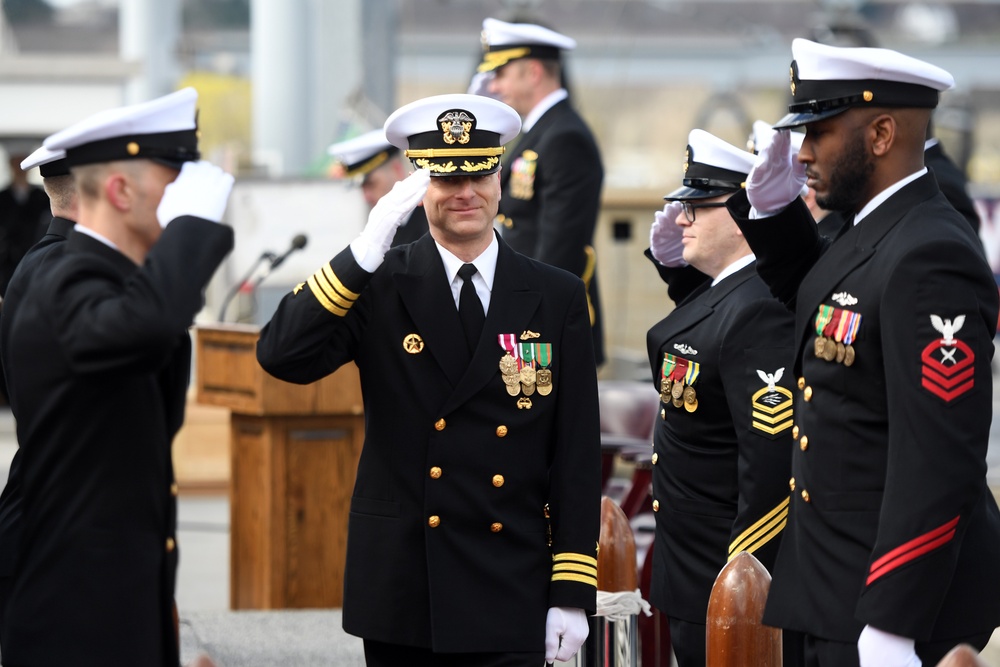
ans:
(764, 527)
(580, 558)
(574, 567)
(579, 578)
(322, 298)
(337, 285)
(750, 548)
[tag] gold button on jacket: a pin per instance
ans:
(434, 521)
(808, 392)
(497, 527)
(171, 544)
(804, 443)
(501, 431)
(498, 481)
(439, 425)
(435, 473)
(656, 505)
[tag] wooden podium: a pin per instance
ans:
(294, 451)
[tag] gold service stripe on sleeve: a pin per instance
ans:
(764, 527)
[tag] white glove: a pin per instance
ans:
(480, 84)
(882, 649)
(201, 190)
(565, 631)
(385, 218)
(665, 236)
(777, 176)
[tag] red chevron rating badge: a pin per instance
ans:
(947, 362)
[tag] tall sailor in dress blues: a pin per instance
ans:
(893, 539)
(475, 515)
(722, 444)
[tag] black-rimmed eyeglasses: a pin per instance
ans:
(690, 208)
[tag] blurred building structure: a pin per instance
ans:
(279, 81)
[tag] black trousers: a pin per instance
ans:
(827, 653)
(6, 584)
(380, 654)
(688, 642)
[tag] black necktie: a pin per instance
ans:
(470, 308)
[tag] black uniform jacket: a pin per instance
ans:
(720, 476)
(891, 521)
(551, 183)
(447, 543)
(10, 498)
(97, 363)
(953, 183)
(22, 224)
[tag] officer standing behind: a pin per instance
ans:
(24, 213)
(372, 160)
(58, 184)
(475, 516)
(97, 364)
(891, 550)
(951, 179)
(721, 455)
(552, 174)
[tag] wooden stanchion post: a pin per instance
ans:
(616, 567)
(734, 634)
(614, 643)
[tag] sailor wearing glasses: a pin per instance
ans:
(721, 362)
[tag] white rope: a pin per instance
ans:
(619, 606)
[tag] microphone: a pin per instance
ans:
(248, 285)
(298, 243)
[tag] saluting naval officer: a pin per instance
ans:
(475, 516)
(59, 187)
(97, 363)
(552, 174)
(720, 360)
(377, 165)
(891, 550)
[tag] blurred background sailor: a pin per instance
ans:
(377, 165)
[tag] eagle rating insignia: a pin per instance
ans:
(947, 363)
(771, 405)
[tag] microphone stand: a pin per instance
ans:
(242, 282)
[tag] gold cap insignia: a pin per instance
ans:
(132, 148)
(868, 95)
(456, 126)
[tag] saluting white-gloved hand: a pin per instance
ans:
(201, 190)
(777, 177)
(665, 236)
(877, 648)
(480, 84)
(385, 218)
(565, 631)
